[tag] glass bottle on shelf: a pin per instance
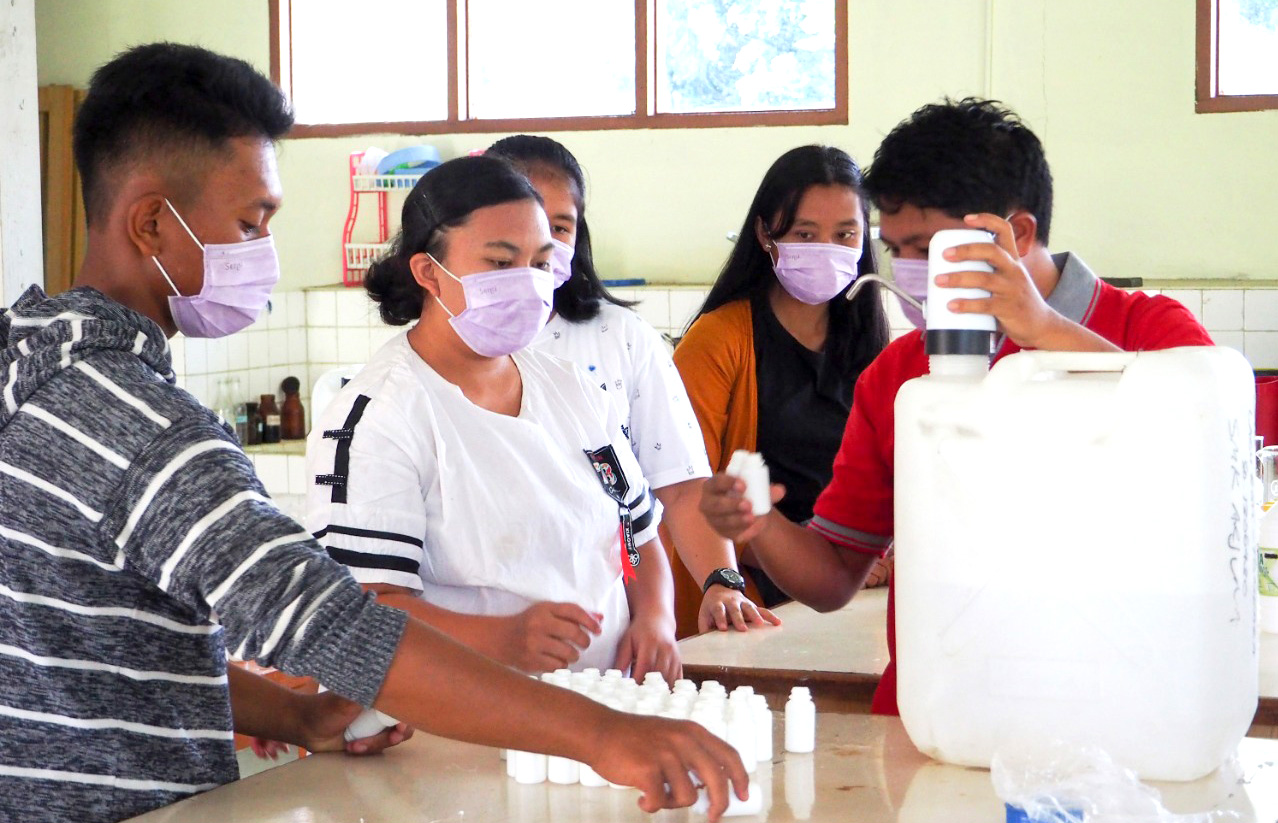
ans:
(253, 430)
(292, 415)
(270, 419)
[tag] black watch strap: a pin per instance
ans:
(728, 578)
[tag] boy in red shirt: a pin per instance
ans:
(966, 164)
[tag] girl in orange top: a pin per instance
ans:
(771, 358)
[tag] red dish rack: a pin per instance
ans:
(357, 256)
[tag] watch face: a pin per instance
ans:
(732, 577)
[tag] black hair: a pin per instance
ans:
(443, 199)
(858, 328)
(173, 106)
(963, 157)
(578, 299)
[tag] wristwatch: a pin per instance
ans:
(730, 578)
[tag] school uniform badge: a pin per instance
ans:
(608, 469)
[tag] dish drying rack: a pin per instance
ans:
(357, 256)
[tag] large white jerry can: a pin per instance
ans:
(1076, 558)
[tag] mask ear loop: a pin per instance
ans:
(156, 260)
(450, 274)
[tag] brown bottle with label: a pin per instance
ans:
(253, 429)
(292, 415)
(270, 419)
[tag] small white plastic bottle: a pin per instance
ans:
(800, 721)
(762, 729)
(749, 466)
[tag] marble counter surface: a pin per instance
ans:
(865, 769)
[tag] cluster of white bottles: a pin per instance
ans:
(742, 719)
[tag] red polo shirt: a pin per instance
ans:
(855, 510)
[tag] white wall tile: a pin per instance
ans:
(297, 474)
(272, 470)
(277, 318)
(1223, 309)
(1261, 348)
(1260, 310)
(321, 345)
(352, 344)
(258, 356)
(296, 310)
(277, 353)
(297, 345)
(196, 355)
(198, 385)
(259, 383)
(237, 351)
(1232, 339)
(683, 305)
(1191, 299)
(321, 308)
(218, 349)
(654, 306)
(624, 294)
(352, 307)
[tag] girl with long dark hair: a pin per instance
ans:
(771, 358)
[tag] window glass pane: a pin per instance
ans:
(1248, 61)
(561, 59)
(378, 61)
(744, 55)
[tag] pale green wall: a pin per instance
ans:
(1143, 185)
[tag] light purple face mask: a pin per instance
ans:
(815, 273)
(911, 277)
(505, 308)
(238, 278)
(561, 261)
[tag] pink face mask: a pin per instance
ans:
(911, 278)
(238, 278)
(505, 308)
(815, 273)
(561, 261)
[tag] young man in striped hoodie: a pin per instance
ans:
(136, 545)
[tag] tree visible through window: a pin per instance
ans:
(1237, 55)
(752, 55)
(439, 66)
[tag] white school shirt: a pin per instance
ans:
(626, 356)
(482, 513)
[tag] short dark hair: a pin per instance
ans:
(858, 328)
(578, 299)
(443, 199)
(973, 155)
(169, 104)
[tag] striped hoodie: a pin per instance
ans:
(136, 548)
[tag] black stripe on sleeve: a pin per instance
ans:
(342, 462)
(644, 520)
(363, 560)
(373, 533)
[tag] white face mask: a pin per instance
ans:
(561, 261)
(238, 278)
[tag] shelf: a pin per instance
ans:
(362, 255)
(384, 182)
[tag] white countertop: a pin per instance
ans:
(864, 770)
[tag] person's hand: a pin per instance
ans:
(880, 572)
(656, 756)
(649, 646)
(727, 510)
(325, 717)
(722, 608)
(1014, 300)
(548, 636)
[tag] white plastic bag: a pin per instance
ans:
(1059, 783)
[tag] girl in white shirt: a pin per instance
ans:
(484, 488)
(626, 356)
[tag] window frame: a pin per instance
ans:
(1207, 98)
(645, 116)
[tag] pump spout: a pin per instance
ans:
(882, 281)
